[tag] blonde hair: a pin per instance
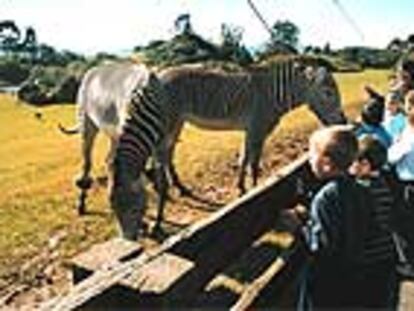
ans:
(338, 143)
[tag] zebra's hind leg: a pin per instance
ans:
(242, 175)
(176, 181)
(251, 158)
(256, 153)
(84, 182)
(171, 142)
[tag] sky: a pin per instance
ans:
(90, 26)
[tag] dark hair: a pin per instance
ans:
(407, 64)
(372, 150)
(373, 112)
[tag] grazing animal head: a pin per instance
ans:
(322, 95)
(142, 133)
(128, 199)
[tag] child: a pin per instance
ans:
(379, 254)
(401, 156)
(329, 235)
(405, 75)
(371, 118)
(394, 118)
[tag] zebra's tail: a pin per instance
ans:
(69, 131)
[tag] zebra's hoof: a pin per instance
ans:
(185, 192)
(158, 233)
(81, 208)
(84, 183)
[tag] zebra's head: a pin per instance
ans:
(322, 95)
(128, 199)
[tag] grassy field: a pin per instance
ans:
(38, 164)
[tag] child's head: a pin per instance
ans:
(405, 73)
(332, 150)
(394, 101)
(409, 107)
(372, 112)
(370, 158)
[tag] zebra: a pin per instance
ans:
(102, 98)
(143, 135)
(253, 100)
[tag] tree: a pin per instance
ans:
(9, 36)
(285, 32)
(327, 49)
(231, 35)
(29, 43)
(308, 49)
(231, 45)
(283, 40)
(182, 24)
(12, 41)
(396, 44)
(410, 42)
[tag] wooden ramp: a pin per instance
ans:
(180, 272)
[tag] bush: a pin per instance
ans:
(50, 85)
(57, 84)
(12, 71)
(369, 57)
(190, 48)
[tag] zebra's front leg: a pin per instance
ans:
(111, 154)
(171, 142)
(84, 182)
(162, 189)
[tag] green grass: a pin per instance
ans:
(38, 164)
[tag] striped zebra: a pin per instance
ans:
(143, 135)
(253, 101)
(103, 98)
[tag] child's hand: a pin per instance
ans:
(297, 217)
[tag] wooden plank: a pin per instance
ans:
(102, 256)
(210, 244)
(254, 289)
(161, 273)
(406, 296)
(226, 234)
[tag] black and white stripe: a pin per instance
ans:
(253, 100)
(144, 126)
